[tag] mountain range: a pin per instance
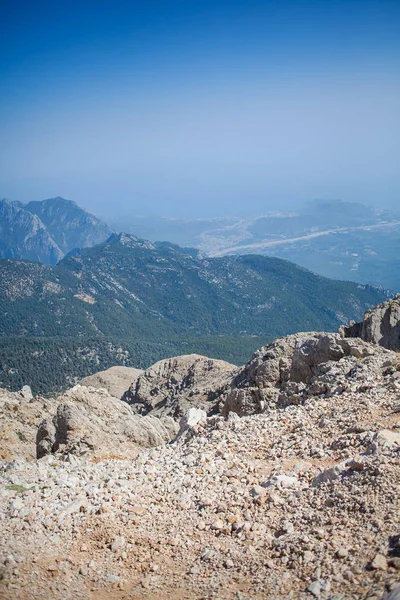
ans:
(339, 240)
(45, 231)
(129, 301)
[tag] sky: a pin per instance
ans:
(200, 108)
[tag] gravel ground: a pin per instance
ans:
(236, 508)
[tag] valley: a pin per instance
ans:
(341, 240)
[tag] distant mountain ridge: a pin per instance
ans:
(45, 231)
(69, 225)
(129, 301)
(24, 236)
(336, 239)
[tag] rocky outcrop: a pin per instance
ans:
(292, 370)
(90, 420)
(172, 386)
(300, 366)
(116, 380)
(82, 420)
(380, 325)
(298, 500)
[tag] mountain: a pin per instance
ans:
(69, 225)
(45, 231)
(340, 240)
(128, 301)
(23, 235)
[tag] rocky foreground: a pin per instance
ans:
(285, 483)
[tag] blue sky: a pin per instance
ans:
(195, 108)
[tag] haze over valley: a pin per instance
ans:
(337, 239)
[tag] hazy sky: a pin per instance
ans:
(200, 107)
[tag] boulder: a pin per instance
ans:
(193, 417)
(269, 365)
(321, 348)
(257, 383)
(26, 393)
(245, 401)
(45, 438)
(90, 420)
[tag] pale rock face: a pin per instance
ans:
(172, 386)
(26, 393)
(116, 380)
(23, 235)
(69, 225)
(260, 379)
(320, 349)
(269, 364)
(381, 325)
(244, 402)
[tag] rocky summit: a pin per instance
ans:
(276, 480)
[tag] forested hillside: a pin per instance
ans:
(128, 301)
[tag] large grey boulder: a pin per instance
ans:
(90, 420)
(246, 401)
(174, 385)
(268, 366)
(380, 325)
